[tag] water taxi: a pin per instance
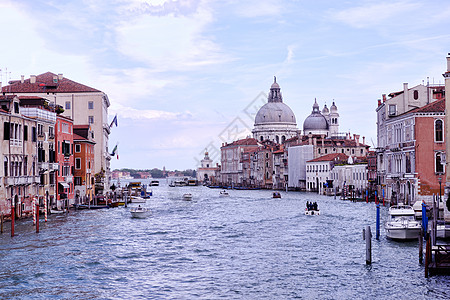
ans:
(187, 196)
(139, 212)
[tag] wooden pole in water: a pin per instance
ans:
(367, 236)
(378, 222)
(12, 218)
(37, 217)
(45, 209)
(33, 206)
(1, 223)
(421, 246)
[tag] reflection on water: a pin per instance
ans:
(248, 245)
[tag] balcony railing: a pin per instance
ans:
(53, 166)
(17, 180)
(43, 165)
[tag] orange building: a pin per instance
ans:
(84, 163)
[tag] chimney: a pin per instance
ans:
(32, 78)
(379, 102)
(448, 63)
(384, 97)
(405, 97)
(60, 76)
(354, 137)
(364, 140)
(357, 139)
(22, 78)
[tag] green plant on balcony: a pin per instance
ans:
(99, 176)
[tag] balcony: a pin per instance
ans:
(18, 180)
(43, 165)
(53, 166)
(68, 178)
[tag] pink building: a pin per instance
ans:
(65, 159)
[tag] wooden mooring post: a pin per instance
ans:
(1, 223)
(367, 236)
(421, 246)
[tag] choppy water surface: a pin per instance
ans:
(246, 246)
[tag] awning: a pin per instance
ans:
(64, 185)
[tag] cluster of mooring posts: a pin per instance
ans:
(437, 254)
(35, 213)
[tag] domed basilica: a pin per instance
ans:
(275, 121)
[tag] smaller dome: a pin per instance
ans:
(333, 107)
(325, 110)
(315, 121)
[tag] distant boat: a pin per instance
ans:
(224, 194)
(187, 196)
(154, 183)
(135, 199)
(57, 211)
(140, 212)
(312, 212)
(276, 195)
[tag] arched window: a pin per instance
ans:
(439, 165)
(283, 138)
(416, 94)
(438, 132)
(5, 165)
(261, 138)
(277, 138)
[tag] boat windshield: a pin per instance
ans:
(402, 217)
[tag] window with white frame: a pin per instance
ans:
(438, 131)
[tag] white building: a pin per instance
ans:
(297, 158)
(354, 176)
(206, 171)
(318, 170)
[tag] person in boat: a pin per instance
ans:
(307, 205)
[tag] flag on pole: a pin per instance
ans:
(114, 150)
(114, 121)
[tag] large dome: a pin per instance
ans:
(275, 112)
(315, 121)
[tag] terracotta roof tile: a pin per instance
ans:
(330, 157)
(44, 83)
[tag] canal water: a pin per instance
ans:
(246, 246)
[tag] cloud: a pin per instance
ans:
(146, 114)
(170, 41)
(257, 9)
(372, 15)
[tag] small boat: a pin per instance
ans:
(117, 203)
(137, 199)
(57, 211)
(140, 212)
(154, 183)
(276, 195)
(87, 206)
(401, 224)
(312, 212)
(187, 196)
(224, 194)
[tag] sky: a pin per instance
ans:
(186, 76)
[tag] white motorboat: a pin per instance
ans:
(137, 199)
(140, 212)
(312, 212)
(401, 224)
(224, 194)
(187, 196)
